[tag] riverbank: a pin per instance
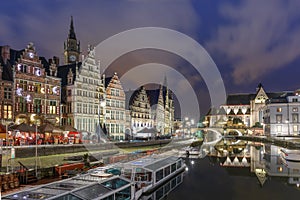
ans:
(286, 142)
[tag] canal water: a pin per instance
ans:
(238, 170)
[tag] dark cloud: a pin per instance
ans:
(46, 23)
(258, 38)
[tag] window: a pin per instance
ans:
(112, 114)
(69, 92)
(113, 92)
(295, 109)
(52, 107)
(117, 128)
(295, 128)
(79, 108)
(117, 115)
(7, 93)
(84, 108)
(37, 105)
(279, 128)
(112, 128)
(295, 118)
(23, 106)
(113, 103)
(7, 112)
(295, 100)
(117, 92)
(108, 114)
(279, 109)
(279, 118)
(108, 102)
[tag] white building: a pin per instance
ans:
(281, 115)
(83, 93)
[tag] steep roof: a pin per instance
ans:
(153, 96)
(8, 66)
(62, 72)
(239, 99)
(107, 81)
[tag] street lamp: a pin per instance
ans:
(36, 152)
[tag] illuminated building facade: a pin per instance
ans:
(36, 93)
(115, 108)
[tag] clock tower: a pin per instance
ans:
(71, 46)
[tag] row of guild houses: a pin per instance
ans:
(35, 91)
(276, 113)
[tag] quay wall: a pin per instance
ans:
(46, 150)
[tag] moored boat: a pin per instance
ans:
(290, 155)
(149, 173)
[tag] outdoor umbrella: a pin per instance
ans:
(49, 128)
(68, 128)
(23, 128)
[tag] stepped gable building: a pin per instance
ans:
(83, 94)
(247, 107)
(140, 110)
(161, 109)
(6, 84)
(115, 108)
(36, 92)
(83, 91)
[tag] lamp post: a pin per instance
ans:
(6, 144)
(36, 150)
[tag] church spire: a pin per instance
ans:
(165, 81)
(72, 34)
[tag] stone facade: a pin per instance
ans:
(140, 111)
(115, 108)
(281, 115)
(36, 94)
(248, 108)
(83, 93)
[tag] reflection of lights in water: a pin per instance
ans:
(186, 169)
(193, 162)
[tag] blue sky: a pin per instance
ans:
(251, 41)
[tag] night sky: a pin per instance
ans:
(250, 41)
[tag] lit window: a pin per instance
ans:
(278, 118)
(279, 109)
(7, 112)
(279, 128)
(295, 109)
(295, 128)
(52, 107)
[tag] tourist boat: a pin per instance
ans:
(148, 173)
(84, 186)
(290, 155)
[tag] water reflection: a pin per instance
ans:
(232, 169)
(263, 160)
